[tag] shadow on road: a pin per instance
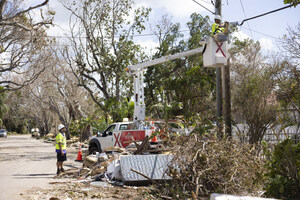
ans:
(26, 176)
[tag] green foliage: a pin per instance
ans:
(252, 87)
(204, 127)
(76, 126)
(282, 179)
(118, 109)
(181, 87)
(110, 49)
(295, 2)
(3, 106)
(289, 93)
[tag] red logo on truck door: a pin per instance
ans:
(117, 139)
(123, 138)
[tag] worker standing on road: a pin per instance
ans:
(217, 27)
(60, 148)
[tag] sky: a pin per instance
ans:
(267, 29)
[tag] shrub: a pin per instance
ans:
(282, 179)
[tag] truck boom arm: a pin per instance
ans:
(167, 58)
(137, 72)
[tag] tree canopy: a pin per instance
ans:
(22, 43)
(99, 61)
(294, 2)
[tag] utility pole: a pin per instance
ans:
(223, 84)
(227, 99)
(218, 11)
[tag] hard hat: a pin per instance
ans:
(218, 17)
(60, 126)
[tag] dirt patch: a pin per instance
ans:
(74, 191)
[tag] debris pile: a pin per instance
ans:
(211, 164)
(141, 163)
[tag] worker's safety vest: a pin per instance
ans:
(61, 138)
(216, 29)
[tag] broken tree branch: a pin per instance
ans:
(25, 11)
(143, 175)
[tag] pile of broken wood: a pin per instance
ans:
(95, 165)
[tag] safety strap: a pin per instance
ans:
(217, 29)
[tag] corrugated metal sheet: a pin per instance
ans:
(153, 166)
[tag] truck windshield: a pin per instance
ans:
(123, 126)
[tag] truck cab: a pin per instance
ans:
(119, 134)
(106, 139)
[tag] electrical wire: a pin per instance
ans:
(261, 33)
(246, 17)
(267, 13)
(179, 31)
(206, 2)
(203, 6)
(140, 35)
(152, 34)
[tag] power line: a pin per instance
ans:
(267, 13)
(260, 33)
(140, 35)
(203, 7)
(151, 34)
(246, 17)
(206, 2)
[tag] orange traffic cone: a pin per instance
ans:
(154, 139)
(79, 155)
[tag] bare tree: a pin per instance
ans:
(22, 43)
(56, 91)
(102, 47)
(253, 84)
(289, 80)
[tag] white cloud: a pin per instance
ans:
(176, 8)
(240, 35)
(266, 44)
(148, 45)
(179, 8)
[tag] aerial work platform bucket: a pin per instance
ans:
(216, 53)
(220, 37)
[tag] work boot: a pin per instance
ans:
(58, 171)
(62, 170)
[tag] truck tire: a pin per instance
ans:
(93, 150)
(94, 146)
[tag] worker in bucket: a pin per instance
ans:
(60, 148)
(217, 27)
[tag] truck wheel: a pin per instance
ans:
(93, 150)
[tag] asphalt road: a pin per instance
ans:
(26, 163)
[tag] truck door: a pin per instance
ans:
(107, 137)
